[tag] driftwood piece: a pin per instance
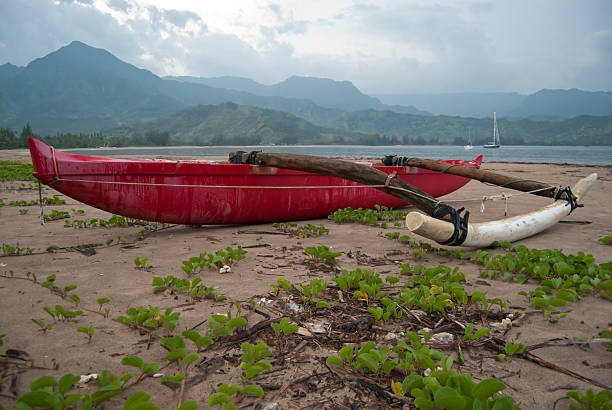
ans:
(506, 181)
(352, 171)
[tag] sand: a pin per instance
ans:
(299, 378)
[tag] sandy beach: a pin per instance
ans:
(299, 378)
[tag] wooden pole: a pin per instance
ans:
(352, 171)
(482, 175)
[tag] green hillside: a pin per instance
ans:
(231, 123)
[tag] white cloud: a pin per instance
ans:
(382, 46)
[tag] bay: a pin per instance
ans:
(586, 155)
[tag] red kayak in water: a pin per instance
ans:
(199, 192)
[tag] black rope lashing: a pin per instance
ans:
(566, 195)
(253, 160)
(396, 161)
(447, 213)
(237, 157)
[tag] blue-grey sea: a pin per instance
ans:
(587, 155)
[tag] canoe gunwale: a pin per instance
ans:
(208, 193)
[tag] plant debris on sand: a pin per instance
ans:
(314, 314)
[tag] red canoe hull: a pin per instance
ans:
(208, 193)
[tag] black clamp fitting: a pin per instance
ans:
(460, 223)
(237, 157)
(566, 194)
(253, 160)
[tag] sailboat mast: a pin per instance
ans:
(495, 127)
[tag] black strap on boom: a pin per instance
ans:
(460, 223)
(566, 194)
(237, 157)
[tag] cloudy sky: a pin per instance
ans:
(382, 46)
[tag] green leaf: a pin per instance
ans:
(237, 322)
(191, 357)
(253, 390)
(606, 240)
(134, 361)
(191, 335)
(253, 371)
(392, 279)
(42, 399)
(228, 405)
(488, 388)
(189, 405)
(125, 378)
(149, 368)
(412, 381)
(152, 323)
(503, 403)
(66, 382)
(173, 382)
(173, 342)
(469, 330)
(424, 403)
(176, 354)
(377, 312)
(229, 390)
(482, 332)
(368, 360)
(74, 398)
(605, 285)
(448, 398)
(219, 319)
(334, 360)
(135, 398)
(105, 393)
(217, 398)
(290, 329)
(42, 382)
(284, 284)
(323, 304)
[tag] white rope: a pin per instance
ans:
(214, 186)
(503, 196)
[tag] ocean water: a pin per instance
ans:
(587, 155)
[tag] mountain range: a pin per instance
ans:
(79, 88)
(545, 104)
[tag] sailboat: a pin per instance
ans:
(469, 144)
(496, 143)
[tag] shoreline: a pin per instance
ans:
(23, 155)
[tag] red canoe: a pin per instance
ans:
(207, 193)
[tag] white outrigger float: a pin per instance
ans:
(507, 229)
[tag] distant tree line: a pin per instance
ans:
(9, 139)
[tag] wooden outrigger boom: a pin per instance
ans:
(352, 171)
(482, 175)
(443, 223)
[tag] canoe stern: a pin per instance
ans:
(42, 160)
